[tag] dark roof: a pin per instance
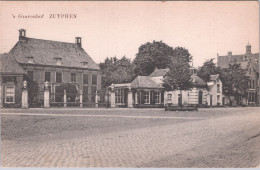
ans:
(223, 61)
(198, 81)
(145, 82)
(214, 77)
(8, 65)
(45, 51)
(159, 72)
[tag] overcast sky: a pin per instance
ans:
(119, 28)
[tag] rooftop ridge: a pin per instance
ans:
(50, 40)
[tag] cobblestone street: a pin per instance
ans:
(217, 137)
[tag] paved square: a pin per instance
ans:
(217, 137)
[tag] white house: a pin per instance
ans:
(147, 91)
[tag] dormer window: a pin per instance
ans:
(30, 59)
(58, 61)
(84, 63)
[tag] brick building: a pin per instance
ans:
(249, 62)
(57, 63)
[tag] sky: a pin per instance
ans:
(112, 28)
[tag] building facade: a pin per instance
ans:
(148, 91)
(249, 62)
(57, 63)
(11, 81)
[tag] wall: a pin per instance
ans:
(190, 97)
(18, 91)
(214, 93)
(39, 76)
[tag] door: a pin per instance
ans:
(210, 100)
(179, 100)
(200, 97)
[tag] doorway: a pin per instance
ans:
(200, 97)
(179, 99)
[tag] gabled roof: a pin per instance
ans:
(8, 65)
(45, 51)
(223, 61)
(159, 72)
(214, 77)
(145, 82)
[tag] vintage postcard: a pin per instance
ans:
(130, 84)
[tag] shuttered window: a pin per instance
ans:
(47, 76)
(218, 88)
(9, 94)
(30, 75)
(94, 79)
(120, 96)
(85, 79)
(58, 77)
(157, 97)
(146, 97)
(73, 77)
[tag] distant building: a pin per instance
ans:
(249, 62)
(147, 91)
(11, 81)
(57, 63)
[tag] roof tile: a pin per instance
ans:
(45, 51)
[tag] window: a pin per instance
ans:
(94, 79)
(157, 97)
(30, 74)
(218, 88)
(249, 83)
(93, 93)
(9, 79)
(169, 96)
(58, 77)
(47, 76)
(218, 98)
(253, 84)
(58, 61)
(120, 96)
(59, 93)
(146, 97)
(250, 71)
(9, 94)
(85, 79)
(85, 93)
(73, 77)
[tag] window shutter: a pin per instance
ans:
(152, 97)
(162, 97)
(142, 96)
(125, 96)
(138, 96)
(4, 80)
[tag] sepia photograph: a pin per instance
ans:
(129, 84)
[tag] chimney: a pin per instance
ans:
(78, 41)
(248, 48)
(22, 34)
(230, 53)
